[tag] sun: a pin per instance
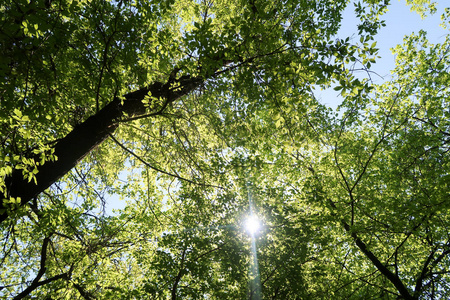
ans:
(252, 224)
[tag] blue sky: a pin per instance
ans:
(400, 21)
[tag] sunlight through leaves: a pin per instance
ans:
(252, 225)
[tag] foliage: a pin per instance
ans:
(354, 203)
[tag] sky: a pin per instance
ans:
(400, 21)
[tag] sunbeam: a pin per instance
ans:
(252, 226)
(255, 280)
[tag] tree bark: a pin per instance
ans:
(88, 135)
(393, 278)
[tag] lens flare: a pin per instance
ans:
(252, 224)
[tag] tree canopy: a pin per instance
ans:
(198, 113)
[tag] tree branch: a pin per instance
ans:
(86, 295)
(179, 275)
(36, 283)
(153, 167)
(393, 278)
(88, 135)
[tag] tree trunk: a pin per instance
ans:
(86, 136)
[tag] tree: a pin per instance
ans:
(191, 109)
(207, 47)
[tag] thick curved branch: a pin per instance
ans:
(88, 135)
(393, 278)
(27, 291)
(36, 283)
